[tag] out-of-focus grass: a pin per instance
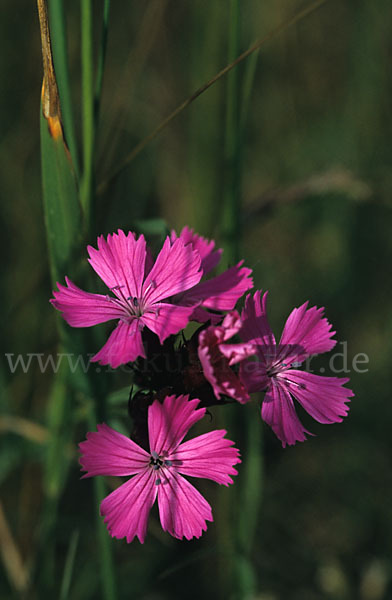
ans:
(316, 199)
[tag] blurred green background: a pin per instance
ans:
(316, 215)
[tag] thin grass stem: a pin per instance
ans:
(101, 61)
(256, 46)
(247, 87)
(231, 232)
(247, 494)
(108, 578)
(88, 121)
(69, 566)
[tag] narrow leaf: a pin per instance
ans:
(61, 202)
(57, 17)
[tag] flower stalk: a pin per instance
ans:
(88, 120)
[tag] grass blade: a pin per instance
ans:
(231, 232)
(60, 59)
(60, 193)
(64, 223)
(107, 573)
(63, 227)
(247, 87)
(205, 123)
(247, 492)
(86, 188)
(14, 567)
(69, 565)
(61, 201)
(101, 61)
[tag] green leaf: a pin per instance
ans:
(60, 57)
(63, 217)
(60, 435)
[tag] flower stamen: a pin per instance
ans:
(135, 305)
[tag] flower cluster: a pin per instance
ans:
(230, 356)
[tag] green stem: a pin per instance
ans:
(86, 190)
(247, 493)
(101, 61)
(57, 462)
(204, 144)
(69, 566)
(227, 534)
(107, 567)
(247, 88)
(231, 204)
(253, 480)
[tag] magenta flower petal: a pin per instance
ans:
(306, 332)
(120, 262)
(216, 366)
(202, 316)
(230, 326)
(176, 269)
(324, 398)
(124, 345)
(307, 329)
(221, 292)
(169, 422)
(108, 452)
(168, 319)
(254, 376)
(126, 510)
(278, 411)
(83, 309)
(210, 455)
(255, 326)
(149, 262)
(206, 248)
(236, 353)
(182, 509)
(217, 370)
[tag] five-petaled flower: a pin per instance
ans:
(306, 333)
(140, 288)
(158, 473)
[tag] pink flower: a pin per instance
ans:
(216, 357)
(139, 286)
(183, 511)
(218, 293)
(306, 333)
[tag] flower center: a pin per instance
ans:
(280, 367)
(136, 306)
(157, 463)
(276, 368)
(133, 306)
